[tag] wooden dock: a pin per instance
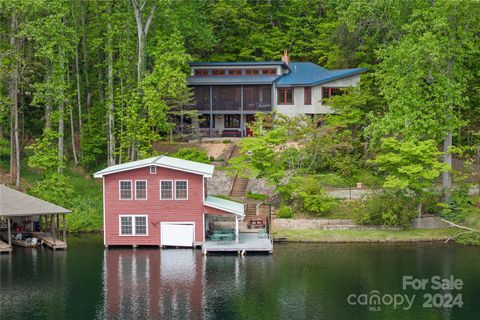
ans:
(250, 242)
(50, 241)
(4, 247)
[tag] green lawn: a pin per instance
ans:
(411, 235)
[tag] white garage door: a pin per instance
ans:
(177, 234)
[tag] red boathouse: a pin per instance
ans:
(160, 201)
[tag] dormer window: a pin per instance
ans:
(218, 72)
(252, 72)
(201, 72)
(153, 169)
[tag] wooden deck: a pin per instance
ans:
(4, 247)
(250, 242)
(48, 241)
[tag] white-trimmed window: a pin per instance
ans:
(153, 169)
(166, 190)
(140, 189)
(133, 225)
(181, 189)
(125, 189)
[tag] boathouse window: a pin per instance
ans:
(307, 96)
(166, 190)
(133, 225)
(285, 96)
(181, 190)
(125, 189)
(140, 190)
(153, 169)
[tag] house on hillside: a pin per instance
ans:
(228, 94)
(161, 201)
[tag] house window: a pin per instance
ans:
(181, 189)
(285, 96)
(201, 72)
(125, 189)
(218, 72)
(252, 72)
(232, 121)
(307, 96)
(140, 190)
(153, 169)
(331, 92)
(235, 72)
(166, 190)
(133, 225)
(269, 71)
(204, 121)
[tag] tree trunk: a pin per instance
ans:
(142, 31)
(13, 92)
(447, 158)
(110, 114)
(79, 101)
(61, 128)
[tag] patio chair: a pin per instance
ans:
(262, 233)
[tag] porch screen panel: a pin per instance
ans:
(226, 97)
(202, 97)
(257, 98)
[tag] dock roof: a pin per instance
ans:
(226, 205)
(14, 203)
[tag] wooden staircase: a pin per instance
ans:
(239, 188)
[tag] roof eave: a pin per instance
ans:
(101, 175)
(242, 214)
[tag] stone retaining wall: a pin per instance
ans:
(220, 183)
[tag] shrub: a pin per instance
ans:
(192, 154)
(388, 209)
(285, 212)
(256, 196)
(469, 238)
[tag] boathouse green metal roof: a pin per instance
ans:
(226, 205)
(160, 161)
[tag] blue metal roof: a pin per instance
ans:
(229, 64)
(231, 80)
(307, 73)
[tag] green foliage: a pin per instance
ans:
(468, 238)
(44, 152)
(256, 196)
(409, 165)
(386, 208)
(458, 205)
(192, 154)
(306, 194)
(259, 157)
(55, 188)
(285, 212)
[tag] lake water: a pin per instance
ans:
(299, 281)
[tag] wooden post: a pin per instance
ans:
(64, 228)
(9, 233)
(53, 231)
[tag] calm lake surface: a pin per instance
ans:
(299, 281)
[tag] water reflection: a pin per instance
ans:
(153, 284)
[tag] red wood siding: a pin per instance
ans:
(190, 210)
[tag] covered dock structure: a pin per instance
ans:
(20, 212)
